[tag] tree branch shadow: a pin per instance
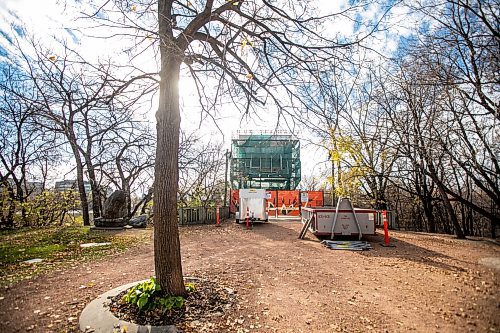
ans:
(407, 251)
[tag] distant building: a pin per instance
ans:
(71, 184)
(265, 159)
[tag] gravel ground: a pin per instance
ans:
(427, 283)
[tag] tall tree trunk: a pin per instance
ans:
(80, 183)
(493, 226)
(166, 234)
(463, 218)
(428, 211)
(8, 219)
(444, 196)
(126, 189)
(96, 197)
(451, 213)
(20, 199)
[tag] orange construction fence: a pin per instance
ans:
(284, 203)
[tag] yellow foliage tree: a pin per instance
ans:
(345, 154)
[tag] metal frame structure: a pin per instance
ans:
(265, 160)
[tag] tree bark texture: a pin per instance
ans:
(80, 181)
(96, 197)
(449, 209)
(166, 234)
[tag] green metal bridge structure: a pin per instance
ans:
(265, 160)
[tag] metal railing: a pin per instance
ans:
(391, 219)
(200, 215)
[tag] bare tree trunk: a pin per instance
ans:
(166, 234)
(143, 202)
(493, 226)
(449, 209)
(20, 199)
(126, 189)
(428, 211)
(8, 219)
(80, 182)
(451, 213)
(96, 197)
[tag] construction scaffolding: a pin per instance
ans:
(265, 160)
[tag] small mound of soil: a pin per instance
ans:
(207, 301)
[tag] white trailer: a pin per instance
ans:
(252, 201)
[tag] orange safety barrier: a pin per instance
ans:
(386, 230)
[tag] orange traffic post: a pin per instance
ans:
(248, 220)
(386, 231)
(217, 217)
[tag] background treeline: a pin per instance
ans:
(62, 116)
(419, 133)
(416, 132)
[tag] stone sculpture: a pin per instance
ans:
(114, 213)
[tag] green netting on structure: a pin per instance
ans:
(265, 161)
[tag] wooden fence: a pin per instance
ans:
(200, 215)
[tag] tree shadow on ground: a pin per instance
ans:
(403, 250)
(407, 251)
(451, 237)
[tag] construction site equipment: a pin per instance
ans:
(281, 203)
(343, 220)
(265, 160)
(347, 245)
(252, 205)
(305, 227)
(345, 203)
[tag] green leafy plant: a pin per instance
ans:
(147, 296)
(167, 303)
(142, 294)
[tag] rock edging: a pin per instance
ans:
(97, 317)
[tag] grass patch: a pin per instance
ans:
(57, 246)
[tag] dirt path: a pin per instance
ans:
(427, 283)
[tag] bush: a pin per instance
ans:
(49, 207)
(44, 209)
